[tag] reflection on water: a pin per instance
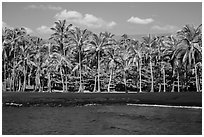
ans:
(100, 119)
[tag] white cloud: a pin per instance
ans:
(137, 20)
(4, 24)
(88, 20)
(28, 30)
(111, 24)
(168, 28)
(44, 29)
(43, 7)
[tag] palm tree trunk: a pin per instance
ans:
(173, 79)
(197, 81)
(14, 80)
(109, 83)
(140, 72)
(178, 82)
(62, 77)
(13, 71)
(164, 79)
(29, 76)
(160, 86)
(38, 85)
(66, 83)
(10, 82)
(13, 74)
(124, 79)
(19, 84)
(5, 81)
(95, 81)
(80, 73)
(49, 82)
(99, 90)
(152, 78)
(24, 80)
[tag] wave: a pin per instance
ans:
(165, 106)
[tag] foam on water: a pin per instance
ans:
(165, 106)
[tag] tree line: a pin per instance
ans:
(77, 60)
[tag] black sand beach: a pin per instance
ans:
(66, 114)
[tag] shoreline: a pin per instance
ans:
(18, 99)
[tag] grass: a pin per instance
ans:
(70, 99)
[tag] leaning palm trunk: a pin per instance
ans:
(197, 80)
(109, 83)
(99, 90)
(152, 78)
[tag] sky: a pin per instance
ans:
(116, 17)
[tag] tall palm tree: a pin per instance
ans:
(111, 60)
(136, 55)
(61, 32)
(24, 52)
(188, 51)
(124, 58)
(150, 43)
(60, 62)
(97, 44)
(16, 38)
(78, 39)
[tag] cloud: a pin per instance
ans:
(111, 24)
(136, 20)
(43, 7)
(168, 28)
(28, 30)
(4, 24)
(44, 29)
(88, 20)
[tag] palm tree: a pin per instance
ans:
(124, 58)
(97, 44)
(188, 51)
(150, 43)
(111, 60)
(60, 62)
(136, 55)
(61, 32)
(16, 38)
(78, 39)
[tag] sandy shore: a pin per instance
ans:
(101, 120)
(72, 99)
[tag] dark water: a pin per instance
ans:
(98, 120)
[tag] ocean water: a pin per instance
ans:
(93, 119)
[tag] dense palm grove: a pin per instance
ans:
(76, 60)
